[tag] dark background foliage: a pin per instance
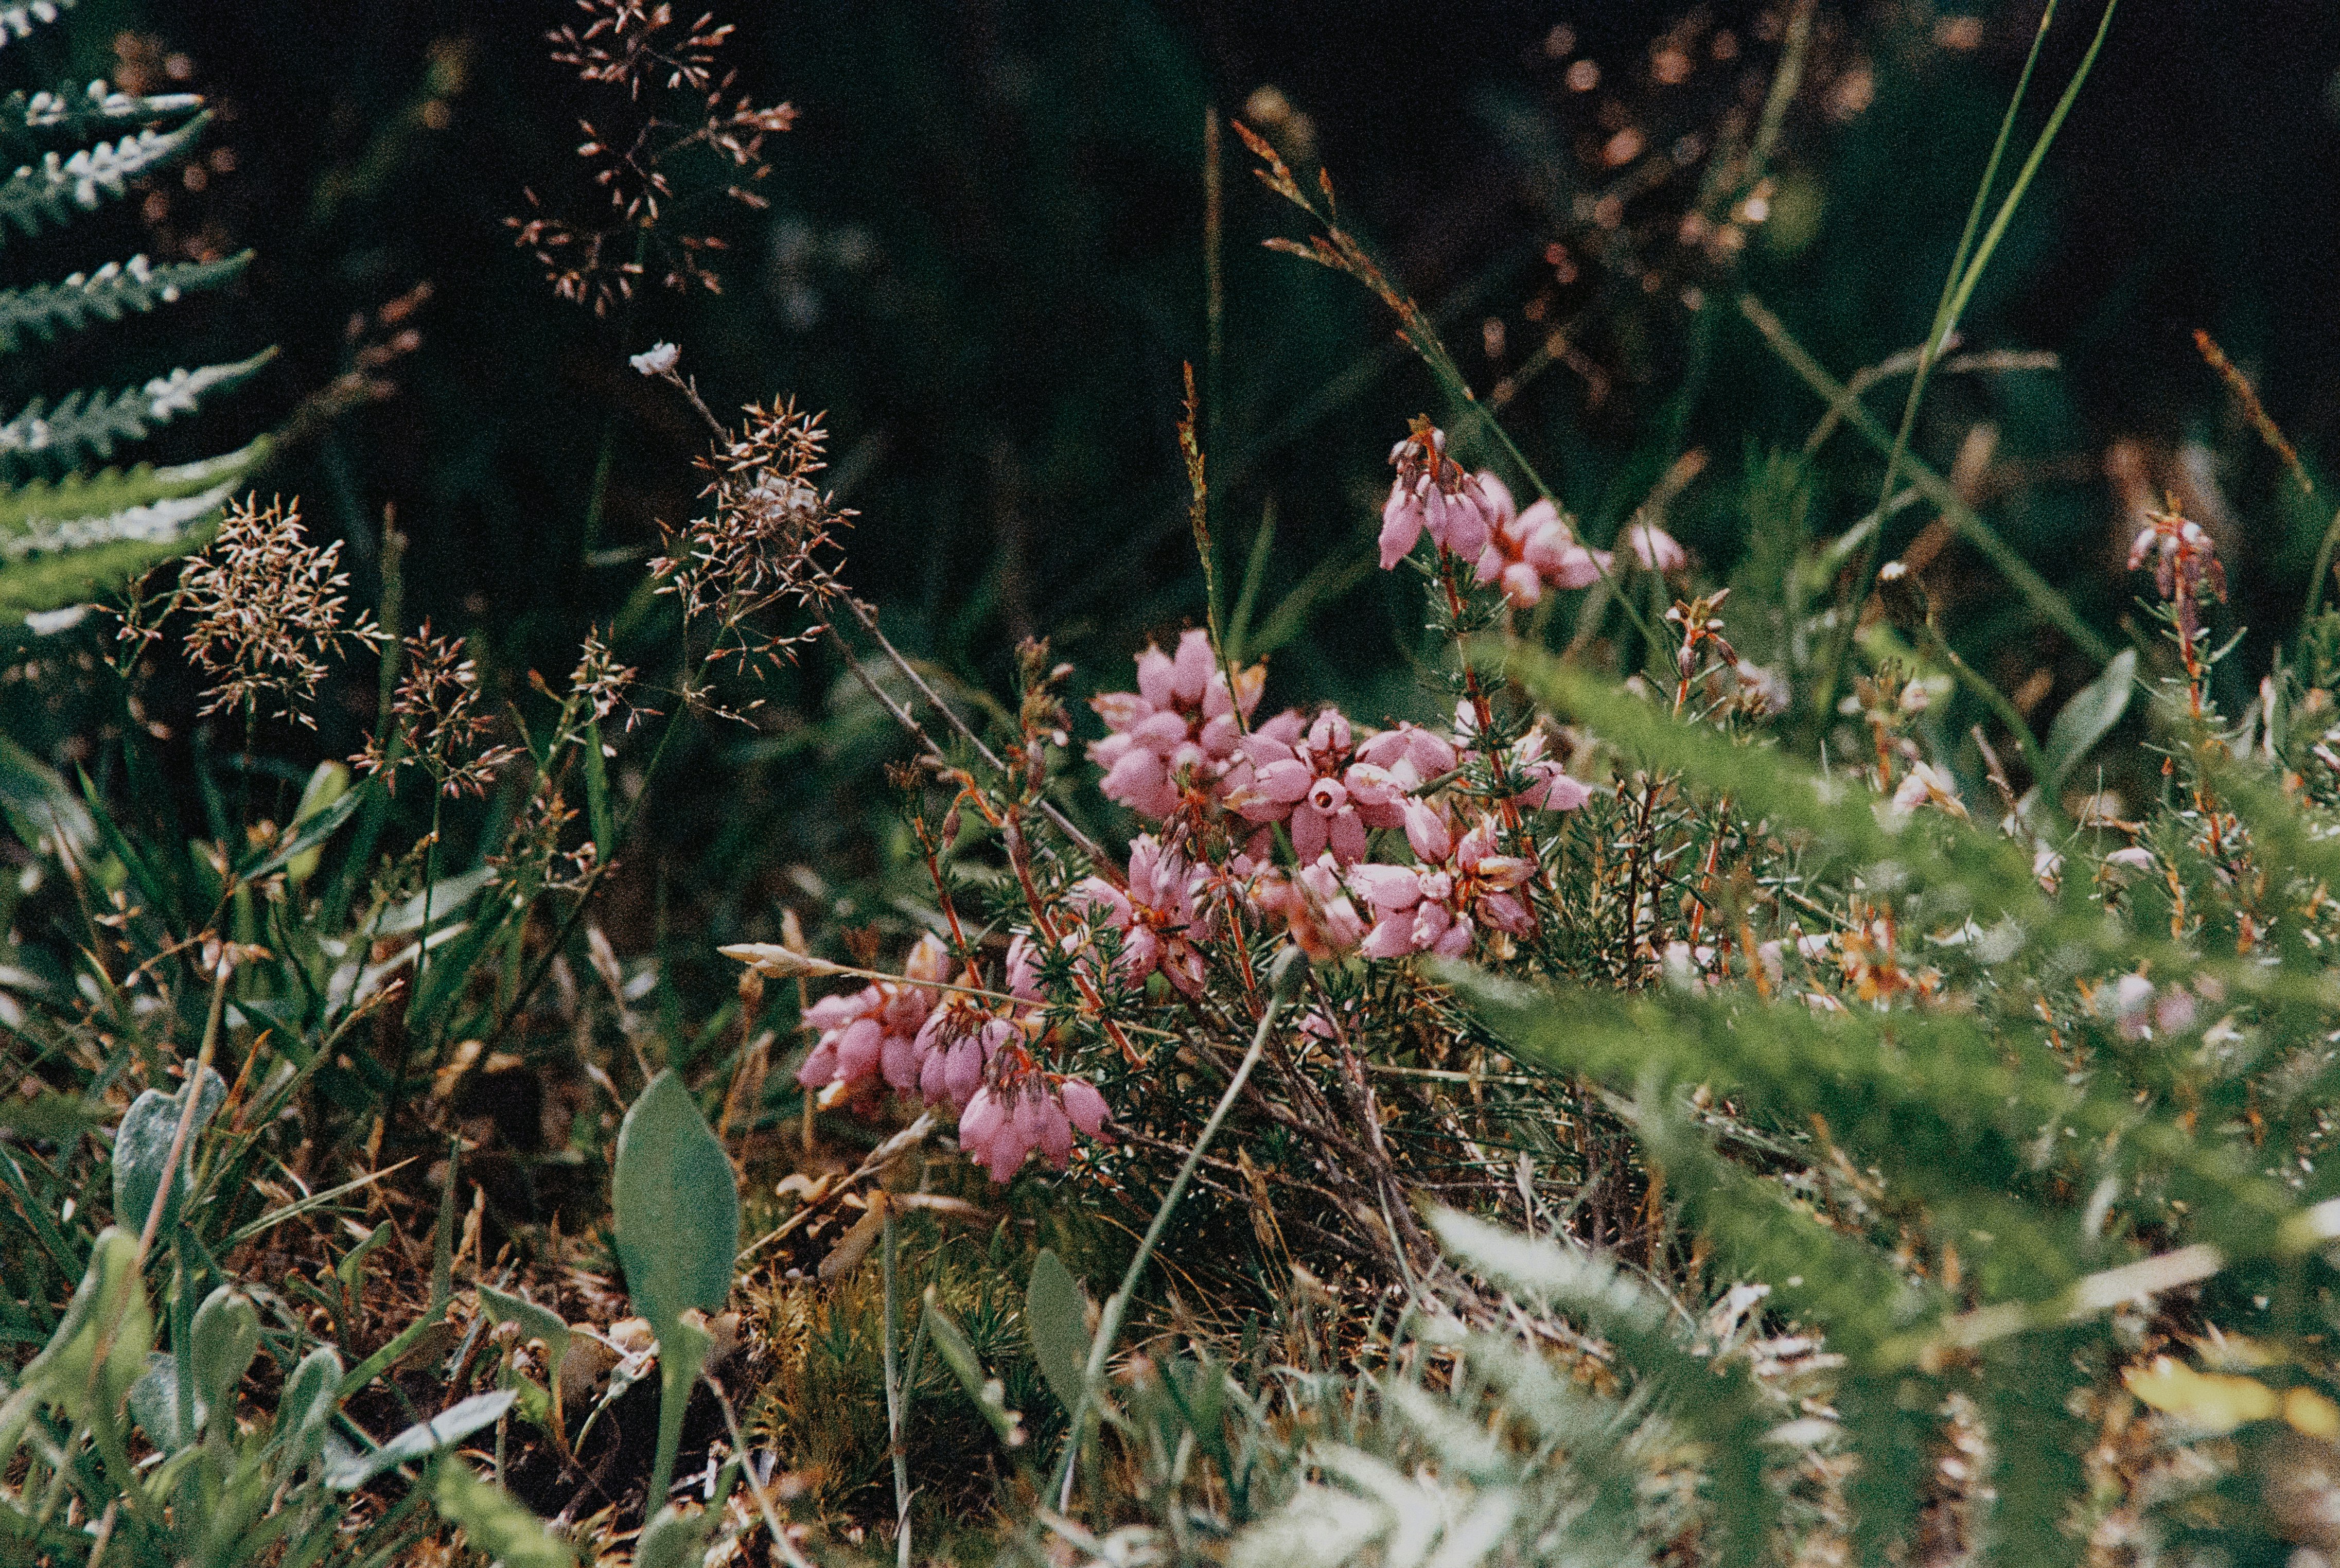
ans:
(984, 256)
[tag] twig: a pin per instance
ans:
(224, 967)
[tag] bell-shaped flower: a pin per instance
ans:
(1021, 1111)
(1155, 913)
(1655, 549)
(1528, 551)
(1436, 905)
(875, 1029)
(1319, 786)
(1431, 494)
(1181, 719)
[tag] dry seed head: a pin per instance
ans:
(436, 722)
(270, 609)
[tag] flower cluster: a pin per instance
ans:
(1529, 550)
(1183, 722)
(1343, 841)
(1474, 517)
(1433, 494)
(969, 1051)
(877, 1029)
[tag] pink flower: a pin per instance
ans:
(1010, 1119)
(877, 1028)
(1319, 786)
(964, 1036)
(958, 1043)
(1436, 905)
(1313, 907)
(1180, 718)
(1542, 784)
(1528, 549)
(1431, 493)
(1155, 913)
(1409, 754)
(1655, 549)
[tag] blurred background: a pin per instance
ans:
(981, 248)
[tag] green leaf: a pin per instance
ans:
(507, 1532)
(154, 1405)
(598, 812)
(683, 1347)
(351, 1268)
(348, 1471)
(51, 1117)
(2085, 720)
(40, 804)
(307, 1404)
(535, 1322)
(676, 1201)
(987, 1392)
(1056, 1317)
(46, 195)
(326, 802)
(109, 1307)
(98, 554)
(226, 1338)
(96, 421)
(142, 1151)
(109, 492)
(19, 21)
(673, 1539)
(44, 310)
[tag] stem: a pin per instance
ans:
(2044, 598)
(1290, 970)
(897, 1396)
(194, 1093)
(1966, 272)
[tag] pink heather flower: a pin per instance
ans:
(1527, 550)
(958, 1043)
(1317, 784)
(1436, 905)
(2184, 557)
(1155, 913)
(1010, 1119)
(1083, 1105)
(1180, 718)
(964, 1037)
(1434, 494)
(1410, 754)
(1655, 549)
(2135, 858)
(1543, 784)
(1314, 908)
(877, 1028)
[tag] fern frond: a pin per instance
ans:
(19, 21)
(31, 508)
(92, 555)
(99, 108)
(96, 422)
(62, 544)
(116, 289)
(156, 523)
(48, 192)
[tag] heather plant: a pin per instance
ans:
(1666, 1095)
